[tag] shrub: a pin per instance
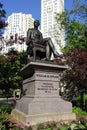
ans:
(40, 127)
(79, 111)
(77, 101)
(6, 108)
(4, 121)
(18, 126)
(63, 127)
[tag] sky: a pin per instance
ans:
(26, 6)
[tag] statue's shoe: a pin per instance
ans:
(56, 54)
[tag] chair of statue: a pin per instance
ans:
(38, 51)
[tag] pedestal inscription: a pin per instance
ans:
(47, 88)
(45, 84)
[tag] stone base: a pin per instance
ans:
(35, 106)
(41, 118)
(41, 101)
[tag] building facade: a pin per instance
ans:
(49, 26)
(18, 24)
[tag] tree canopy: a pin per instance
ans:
(10, 66)
(2, 16)
(74, 23)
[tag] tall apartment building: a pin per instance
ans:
(18, 23)
(49, 25)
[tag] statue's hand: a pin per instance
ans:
(28, 42)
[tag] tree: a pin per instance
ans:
(75, 32)
(75, 50)
(75, 78)
(77, 73)
(10, 66)
(75, 36)
(2, 21)
(79, 10)
(11, 63)
(74, 24)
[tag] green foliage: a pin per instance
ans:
(17, 128)
(47, 126)
(77, 101)
(74, 32)
(79, 10)
(4, 121)
(10, 66)
(71, 79)
(82, 127)
(2, 11)
(29, 128)
(2, 15)
(83, 122)
(6, 108)
(23, 58)
(40, 127)
(79, 111)
(78, 125)
(63, 127)
(74, 126)
(75, 36)
(75, 26)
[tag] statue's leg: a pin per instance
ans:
(53, 49)
(50, 43)
(47, 52)
(29, 51)
(28, 57)
(34, 53)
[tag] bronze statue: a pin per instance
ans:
(34, 37)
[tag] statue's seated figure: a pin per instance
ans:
(39, 46)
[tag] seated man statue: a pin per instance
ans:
(35, 36)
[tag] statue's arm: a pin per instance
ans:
(28, 40)
(41, 36)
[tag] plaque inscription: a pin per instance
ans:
(47, 87)
(48, 83)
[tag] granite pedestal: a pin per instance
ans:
(41, 101)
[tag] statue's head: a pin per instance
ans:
(36, 23)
